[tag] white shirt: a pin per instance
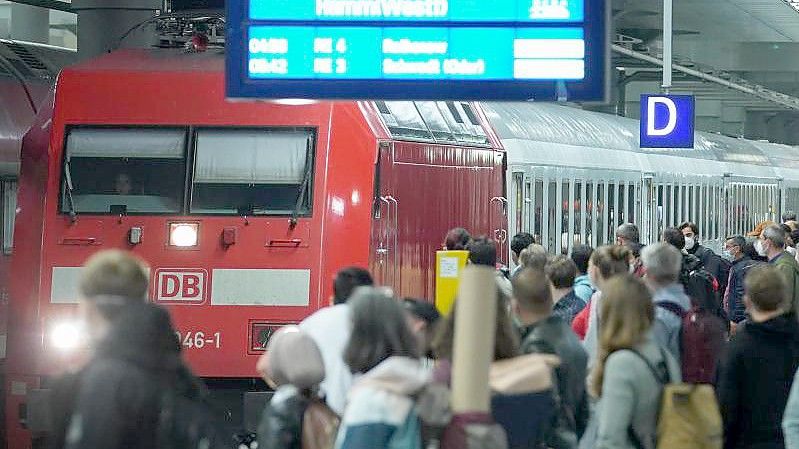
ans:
(330, 329)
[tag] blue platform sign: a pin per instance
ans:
(418, 49)
(667, 121)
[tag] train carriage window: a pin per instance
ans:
(124, 170)
(253, 172)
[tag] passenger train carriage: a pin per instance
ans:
(574, 176)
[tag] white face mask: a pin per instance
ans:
(689, 243)
(760, 248)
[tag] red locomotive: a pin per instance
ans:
(244, 210)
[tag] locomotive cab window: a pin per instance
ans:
(124, 170)
(253, 172)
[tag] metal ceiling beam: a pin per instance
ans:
(48, 4)
(744, 87)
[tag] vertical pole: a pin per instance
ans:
(667, 44)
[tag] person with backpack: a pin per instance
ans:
(382, 350)
(716, 265)
(295, 380)
(136, 391)
(757, 370)
(516, 381)
(662, 263)
(544, 332)
(629, 376)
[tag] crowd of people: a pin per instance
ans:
(601, 339)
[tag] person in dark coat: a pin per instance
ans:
(293, 366)
(756, 373)
(136, 358)
(712, 262)
(734, 249)
(543, 332)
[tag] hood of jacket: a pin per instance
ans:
(399, 375)
(672, 293)
(143, 335)
(782, 328)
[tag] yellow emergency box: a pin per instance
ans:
(449, 265)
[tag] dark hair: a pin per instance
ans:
(521, 241)
(787, 229)
(795, 236)
(751, 252)
(629, 232)
(379, 331)
(531, 290)
(347, 280)
(561, 271)
(422, 310)
(789, 216)
(689, 224)
(738, 240)
(457, 239)
(581, 254)
(483, 251)
(766, 288)
(506, 340)
(674, 237)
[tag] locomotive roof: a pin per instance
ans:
(155, 60)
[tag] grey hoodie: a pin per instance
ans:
(667, 326)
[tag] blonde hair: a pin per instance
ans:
(115, 272)
(534, 256)
(626, 314)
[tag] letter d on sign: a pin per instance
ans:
(667, 121)
(651, 127)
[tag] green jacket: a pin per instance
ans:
(789, 269)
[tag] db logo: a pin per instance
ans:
(181, 285)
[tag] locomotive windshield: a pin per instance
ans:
(252, 172)
(124, 170)
(234, 171)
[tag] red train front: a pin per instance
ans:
(244, 211)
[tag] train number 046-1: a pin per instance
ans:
(200, 339)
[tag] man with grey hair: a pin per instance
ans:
(772, 246)
(629, 236)
(662, 262)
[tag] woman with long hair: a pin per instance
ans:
(383, 351)
(631, 369)
(605, 263)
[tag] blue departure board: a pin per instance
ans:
(418, 49)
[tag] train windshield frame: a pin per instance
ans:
(188, 171)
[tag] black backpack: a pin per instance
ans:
(188, 422)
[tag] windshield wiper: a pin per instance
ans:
(73, 215)
(303, 187)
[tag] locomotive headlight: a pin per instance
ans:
(66, 335)
(183, 235)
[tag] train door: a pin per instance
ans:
(749, 202)
(385, 210)
(790, 197)
(563, 207)
(677, 198)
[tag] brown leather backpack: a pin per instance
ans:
(319, 426)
